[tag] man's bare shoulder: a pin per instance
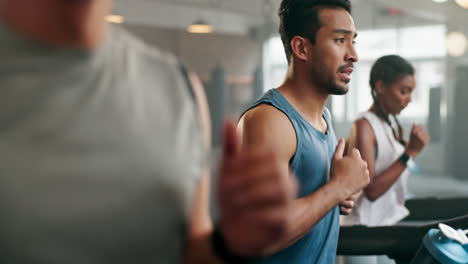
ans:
(265, 124)
(266, 114)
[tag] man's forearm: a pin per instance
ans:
(306, 212)
(199, 251)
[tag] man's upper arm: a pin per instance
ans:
(266, 125)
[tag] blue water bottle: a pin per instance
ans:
(443, 246)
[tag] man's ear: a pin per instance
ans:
(300, 47)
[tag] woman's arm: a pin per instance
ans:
(365, 141)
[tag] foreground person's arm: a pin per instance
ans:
(253, 206)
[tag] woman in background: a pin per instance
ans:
(378, 135)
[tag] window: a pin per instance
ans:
(275, 64)
(411, 43)
(423, 46)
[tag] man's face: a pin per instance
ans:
(333, 55)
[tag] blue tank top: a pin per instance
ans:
(311, 166)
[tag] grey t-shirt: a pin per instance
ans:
(100, 152)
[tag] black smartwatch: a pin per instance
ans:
(404, 159)
(222, 251)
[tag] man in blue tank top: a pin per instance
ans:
(318, 37)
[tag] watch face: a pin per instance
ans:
(404, 158)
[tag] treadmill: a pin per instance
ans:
(402, 241)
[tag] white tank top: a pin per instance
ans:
(390, 207)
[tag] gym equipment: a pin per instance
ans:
(403, 241)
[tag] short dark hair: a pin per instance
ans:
(389, 69)
(301, 18)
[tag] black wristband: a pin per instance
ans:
(404, 158)
(222, 251)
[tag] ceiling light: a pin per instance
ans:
(462, 3)
(439, 1)
(116, 19)
(456, 44)
(200, 27)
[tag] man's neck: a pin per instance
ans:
(63, 23)
(304, 95)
